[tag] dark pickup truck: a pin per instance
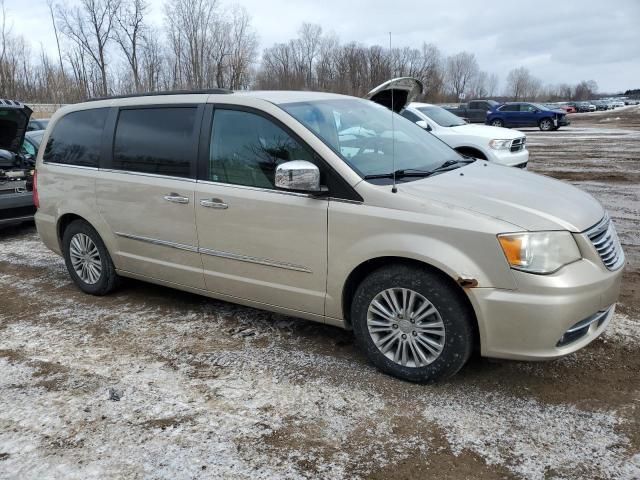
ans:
(475, 111)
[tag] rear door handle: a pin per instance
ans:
(214, 203)
(176, 198)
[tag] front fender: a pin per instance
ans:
(459, 244)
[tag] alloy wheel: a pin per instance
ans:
(85, 258)
(406, 327)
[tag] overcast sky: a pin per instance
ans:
(559, 41)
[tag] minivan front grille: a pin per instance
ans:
(518, 144)
(606, 242)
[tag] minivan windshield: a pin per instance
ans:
(442, 117)
(360, 132)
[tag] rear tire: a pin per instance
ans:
(497, 123)
(430, 315)
(87, 259)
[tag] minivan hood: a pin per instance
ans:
(404, 90)
(14, 119)
(487, 131)
(526, 200)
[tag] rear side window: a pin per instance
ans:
(77, 138)
(161, 141)
(510, 108)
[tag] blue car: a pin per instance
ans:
(523, 114)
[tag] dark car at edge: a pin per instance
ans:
(525, 114)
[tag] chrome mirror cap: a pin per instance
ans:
(298, 175)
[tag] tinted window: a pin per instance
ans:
(527, 108)
(510, 108)
(441, 116)
(410, 116)
(246, 148)
(156, 140)
(77, 138)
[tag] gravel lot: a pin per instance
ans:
(156, 383)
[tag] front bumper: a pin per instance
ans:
(563, 122)
(508, 158)
(531, 322)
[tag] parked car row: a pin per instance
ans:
(529, 114)
(512, 114)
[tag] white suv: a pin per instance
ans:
(498, 145)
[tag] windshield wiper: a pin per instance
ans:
(405, 172)
(449, 164)
(414, 172)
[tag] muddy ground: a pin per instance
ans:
(154, 383)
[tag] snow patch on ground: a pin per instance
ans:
(531, 438)
(623, 329)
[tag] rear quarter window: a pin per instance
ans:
(77, 138)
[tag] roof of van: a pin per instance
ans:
(273, 96)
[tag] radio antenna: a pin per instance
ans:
(394, 189)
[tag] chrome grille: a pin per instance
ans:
(606, 242)
(518, 144)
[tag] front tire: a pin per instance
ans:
(87, 259)
(546, 125)
(497, 123)
(412, 323)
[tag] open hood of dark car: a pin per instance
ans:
(396, 93)
(14, 118)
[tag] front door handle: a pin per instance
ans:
(176, 198)
(214, 203)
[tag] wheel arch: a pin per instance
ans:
(360, 272)
(471, 151)
(63, 222)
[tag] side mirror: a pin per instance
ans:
(299, 176)
(423, 124)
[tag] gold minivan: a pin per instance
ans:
(333, 209)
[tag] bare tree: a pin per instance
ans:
(192, 31)
(479, 85)
(492, 85)
(243, 49)
(462, 69)
(90, 26)
(522, 85)
(310, 41)
(585, 90)
(129, 35)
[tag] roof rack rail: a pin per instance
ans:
(210, 91)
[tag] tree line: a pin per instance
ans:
(109, 47)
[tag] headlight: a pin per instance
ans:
(498, 144)
(539, 252)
